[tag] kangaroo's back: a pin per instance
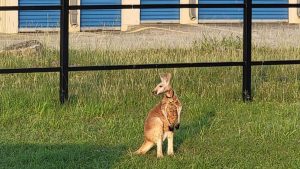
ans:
(156, 112)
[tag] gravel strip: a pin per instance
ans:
(165, 36)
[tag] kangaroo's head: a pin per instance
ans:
(164, 86)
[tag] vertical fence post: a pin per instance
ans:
(247, 39)
(64, 50)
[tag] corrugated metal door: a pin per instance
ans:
(95, 19)
(271, 13)
(38, 19)
(171, 15)
(237, 14)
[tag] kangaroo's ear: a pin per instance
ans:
(166, 77)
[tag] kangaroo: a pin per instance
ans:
(162, 119)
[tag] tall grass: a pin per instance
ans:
(103, 121)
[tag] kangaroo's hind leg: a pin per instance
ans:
(170, 136)
(146, 146)
(154, 133)
(159, 148)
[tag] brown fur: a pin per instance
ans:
(170, 103)
(161, 120)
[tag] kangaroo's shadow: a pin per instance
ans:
(192, 129)
(59, 155)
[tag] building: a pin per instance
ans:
(25, 21)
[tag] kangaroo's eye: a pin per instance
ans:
(160, 86)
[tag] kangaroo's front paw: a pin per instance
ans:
(177, 126)
(171, 127)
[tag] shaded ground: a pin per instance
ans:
(169, 36)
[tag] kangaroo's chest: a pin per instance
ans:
(170, 106)
(172, 111)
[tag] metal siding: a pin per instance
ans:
(40, 18)
(237, 13)
(271, 13)
(162, 14)
(100, 18)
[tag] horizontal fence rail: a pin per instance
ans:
(65, 68)
(149, 66)
(30, 70)
(146, 6)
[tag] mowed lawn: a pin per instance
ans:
(102, 124)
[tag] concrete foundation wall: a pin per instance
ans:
(9, 20)
(75, 27)
(130, 17)
(293, 12)
(186, 14)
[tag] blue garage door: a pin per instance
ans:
(170, 15)
(38, 19)
(108, 18)
(237, 14)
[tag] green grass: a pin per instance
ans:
(102, 124)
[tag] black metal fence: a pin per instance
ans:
(64, 43)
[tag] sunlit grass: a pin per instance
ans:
(102, 124)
